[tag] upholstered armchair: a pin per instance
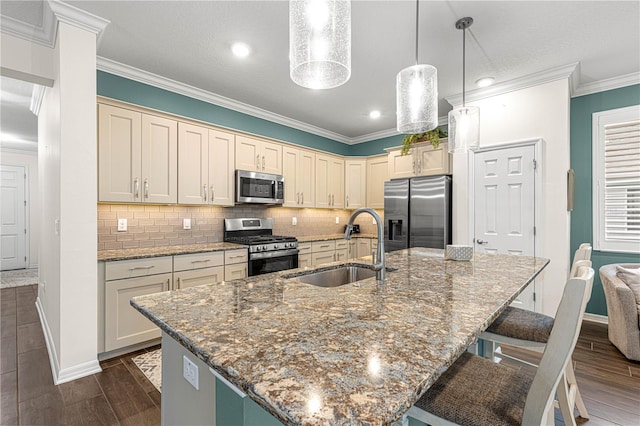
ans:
(623, 307)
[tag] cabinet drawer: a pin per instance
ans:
(138, 268)
(304, 260)
(185, 262)
(341, 244)
(236, 256)
(323, 257)
(192, 278)
(317, 246)
(304, 248)
(235, 272)
(342, 254)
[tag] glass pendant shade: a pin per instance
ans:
(417, 99)
(464, 129)
(320, 43)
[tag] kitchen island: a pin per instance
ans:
(360, 353)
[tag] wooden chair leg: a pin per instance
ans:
(565, 401)
(574, 391)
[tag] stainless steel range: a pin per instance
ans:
(267, 252)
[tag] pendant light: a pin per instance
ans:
(320, 43)
(464, 122)
(417, 95)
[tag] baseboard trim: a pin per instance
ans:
(67, 374)
(601, 319)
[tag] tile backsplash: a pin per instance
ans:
(155, 225)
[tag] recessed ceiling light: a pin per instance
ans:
(241, 50)
(485, 81)
(374, 114)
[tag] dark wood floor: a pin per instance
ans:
(121, 394)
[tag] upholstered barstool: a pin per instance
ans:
(531, 330)
(477, 391)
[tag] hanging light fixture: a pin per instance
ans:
(464, 122)
(417, 95)
(320, 43)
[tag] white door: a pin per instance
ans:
(12, 218)
(504, 206)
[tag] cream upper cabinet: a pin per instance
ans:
(257, 155)
(329, 181)
(377, 175)
(298, 169)
(137, 156)
(204, 165)
(355, 177)
(423, 160)
(400, 166)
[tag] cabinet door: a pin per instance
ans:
(400, 166)
(271, 158)
(304, 260)
(119, 150)
(124, 326)
(336, 182)
(323, 257)
(430, 161)
(306, 181)
(235, 272)
(377, 175)
(364, 247)
(248, 156)
(193, 164)
(323, 164)
(355, 183)
(222, 154)
(159, 160)
(186, 279)
(342, 254)
(290, 172)
(352, 249)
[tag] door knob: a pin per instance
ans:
(482, 242)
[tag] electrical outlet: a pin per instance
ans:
(122, 225)
(186, 223)
(337, 219)
(190, 372)
(294, 221)
(373, 221)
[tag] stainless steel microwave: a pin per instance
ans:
(259, 188)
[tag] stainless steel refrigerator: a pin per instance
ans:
(417, 212)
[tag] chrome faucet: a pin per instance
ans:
(378, 261)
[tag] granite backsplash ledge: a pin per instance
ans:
(157, 225)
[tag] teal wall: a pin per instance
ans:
(581, 159)
(115, 87)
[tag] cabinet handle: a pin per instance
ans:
(297, 198)
(136, 188)
(135, 268)
(179, 282)
(212, 192)
(263, 162)
(169, 283)
(347, 201)
(419, 166)
(236, 257)
(204, 190)
(258, 162)
(333, 200)
(146, 188)
(200, 261)
(302, 198)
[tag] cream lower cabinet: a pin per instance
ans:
(298, 169)
(352, 249)
(123, 325)
(236, 264)
(190, 270)
(364, 247)
(304, 255)
(329, 181)
(342, 250)
(355, 183)
(205, 171)
(137, 157)
(377, 175)
(323, 252)
(257, 155)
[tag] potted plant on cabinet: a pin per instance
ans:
(433, 136)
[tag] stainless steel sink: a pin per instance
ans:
(335, 277)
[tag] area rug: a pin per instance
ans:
(150, 363)
(18, 278)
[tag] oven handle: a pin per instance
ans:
(271, 254)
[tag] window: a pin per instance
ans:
(616, 180)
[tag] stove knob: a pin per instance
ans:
(264, 247)
(275, 247)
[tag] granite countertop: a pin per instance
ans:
(362, 353)
(311, 238)
(140, 253)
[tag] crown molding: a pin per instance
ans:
(37, 94)
(607, 84)
(77, 17)
(44, 35)
(126, 71)
(570, 72)
(373, 136)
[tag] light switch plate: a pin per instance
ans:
(186, 223)
(294, 221)
(122, 225)
(337, 219)
(190, 372)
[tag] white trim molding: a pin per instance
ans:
(37, 95)
(600, 319)
(71, 15)
(131, 73)
(607, 84)
(44, 35)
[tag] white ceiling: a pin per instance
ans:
(189, 41)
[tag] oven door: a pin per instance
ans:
(264, 263)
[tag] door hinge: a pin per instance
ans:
(535, 164)
(534, 296)
(25, 202)
(534, 230)
(25, 231)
